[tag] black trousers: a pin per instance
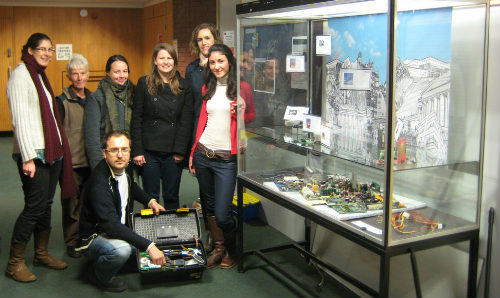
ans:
(71, 208)
(38, 197)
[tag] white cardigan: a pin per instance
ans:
(25, 113)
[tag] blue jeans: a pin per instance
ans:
(161, 167)
(217, 181)
(108, 256)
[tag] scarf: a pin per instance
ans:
(114, 92)
(53, 148)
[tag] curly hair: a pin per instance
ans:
(193, 43)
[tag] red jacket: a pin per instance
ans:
(246, 93)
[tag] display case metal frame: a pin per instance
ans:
(385, 250)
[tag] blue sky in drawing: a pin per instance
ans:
(421, 34)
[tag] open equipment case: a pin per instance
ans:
(369, 120)
(177, 233)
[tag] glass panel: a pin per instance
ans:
(438, 101)
(318, 76)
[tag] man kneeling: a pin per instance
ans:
(107, 238)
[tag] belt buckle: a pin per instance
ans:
(210, 153)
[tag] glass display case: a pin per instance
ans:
(369, 114)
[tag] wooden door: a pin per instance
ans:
(6, 65)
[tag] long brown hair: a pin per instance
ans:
(210, 79)
(154, 80)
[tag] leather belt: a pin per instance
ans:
(215, 154)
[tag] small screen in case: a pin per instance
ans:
(166, 231)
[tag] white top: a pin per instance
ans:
(217, 133)
(25, 113)
(123, 189)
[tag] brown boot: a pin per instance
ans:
(16, 268)
(218, 238)
(42, 256)
(228, 261)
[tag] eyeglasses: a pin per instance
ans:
(52, 50)
(124, 150)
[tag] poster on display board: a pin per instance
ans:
(355, 84)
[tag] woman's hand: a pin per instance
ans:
(178, 158)
(238, 107)
(29, 168)
(191, 166)
(139, 160)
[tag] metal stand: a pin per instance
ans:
(385, 252)
(491, 220)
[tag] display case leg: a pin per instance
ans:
(416, 278)
(239, 241)
(473, 261)
(385, 267)
(491, 220)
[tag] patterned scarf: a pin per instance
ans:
(53, 148)
(113, 92)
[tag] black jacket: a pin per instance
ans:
(194, 76)
(101, 210)
(162, 122)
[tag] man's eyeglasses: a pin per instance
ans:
(52, 50)
(116, 150)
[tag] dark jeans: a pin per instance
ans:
(217, 181)
(38, 197)
(161, 167)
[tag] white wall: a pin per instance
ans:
(227, 17)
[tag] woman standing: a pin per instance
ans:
(42, 154)
(108, 108)
(162, 122)
(213, 155)
(203, 37)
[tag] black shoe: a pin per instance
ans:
(70, 250)
(116, 284)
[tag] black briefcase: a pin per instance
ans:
(178, 234)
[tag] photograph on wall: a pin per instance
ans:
(356, 108)
(264, 76)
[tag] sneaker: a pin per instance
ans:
(70, 250)
(116, 284)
